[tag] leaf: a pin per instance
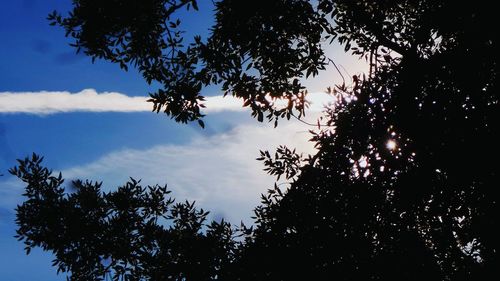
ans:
(260, 116)
(195, 4)
(201, 123)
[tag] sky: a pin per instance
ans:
(92, 121)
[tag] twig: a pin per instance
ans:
(338, 70)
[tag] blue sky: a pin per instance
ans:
(107, 133)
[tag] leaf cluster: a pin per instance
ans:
(257, 51)
(132, 233)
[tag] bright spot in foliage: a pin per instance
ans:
(363, 162)
(391, 144)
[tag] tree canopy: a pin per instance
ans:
(135, 232)
(403, 186)
(256, 50)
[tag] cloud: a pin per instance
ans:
(11, 191)
(44, 102)
(219, 172)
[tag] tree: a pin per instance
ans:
(402, 185)
(133, 233)
(256, 54)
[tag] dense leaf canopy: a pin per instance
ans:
(256, 50)
(135, 232)
(404, 185)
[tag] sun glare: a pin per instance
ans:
(391, 144)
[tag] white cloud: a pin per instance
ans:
(44, 102)
(219, 172)
(56, 102)
(11, 190)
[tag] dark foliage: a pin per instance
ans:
(404, 185)
(133, 233)
(257, 50)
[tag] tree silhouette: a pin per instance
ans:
(403, 186)
(257, 50)
(133, 233)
